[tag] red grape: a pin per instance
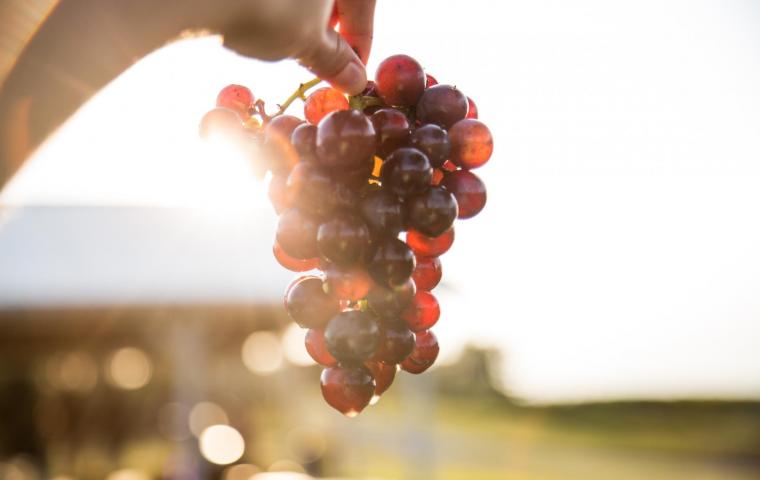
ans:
(391, 128)
(400, 80)
(471, 143)
(220, 122)
(352, 336)
(345, 140)
(406, 171)
(347, 389)
(430, 80)
(443, 105)
(307, 304)
(472, 109)
(392, 262)
(389, 302)
(315, 346)
(303, 140)
(424, 354)
(469, 190)
(347, 283)
(396, 343)
(432, 212)
(430, 246)
(278, 193)
(433, 141)
(423, 313)
(297, 234)
(427, 274)
(293, 264)
(237, 98)
(323, 101)
(383, 375)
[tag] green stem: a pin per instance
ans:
(300, 93)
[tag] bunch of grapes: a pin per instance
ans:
(346, 183)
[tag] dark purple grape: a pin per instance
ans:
(345, 140)
(347, 389)
(400, 80)
(389, 302)
(343, 239)
(314, 192)
(469, 190)
(392, 262)
(297, 234)
(432, 212)
(382, 211)
(308, 305)
(433, 141)
(352, 336)
(304, 139)
(406, 171)
(392, 130)
(396, 343)
(443, 105)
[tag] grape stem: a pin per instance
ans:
(299, 93)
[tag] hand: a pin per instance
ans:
(84, 44)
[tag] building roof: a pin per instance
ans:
(101, 255)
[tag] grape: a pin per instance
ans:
(443, 105)
(281, 127)
(433, 141)
(293, 264)
(237, 98)
(391, 128)
(430, 246)
(220, 122)
(437, 177)
(345, 140)
(469, 190)
(321, 102)
(424, 354)
(382, 211)
(427, 273)
(389, 302)
(432, 212)
(347, 389)
(352, 336)
(347, 283)
(471, 143)
(396, 343)
(400, 80)
(392, 262)
(406, 171)
(315, 193)
(430, 80)
(278, 193)
(344, 239)
(297, 234)
(308, 305)
(423, 313)
(315, 346)
(370, 90)
(304, 139)
(383, 375)
(472, 109)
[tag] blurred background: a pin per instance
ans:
(600, 319)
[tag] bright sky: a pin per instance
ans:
(619, 253)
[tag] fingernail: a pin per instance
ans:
(352, 79)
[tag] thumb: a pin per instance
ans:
(333, 60)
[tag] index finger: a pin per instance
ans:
(356, 19)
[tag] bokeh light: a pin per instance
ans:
(128, 474)
(293, 346)
(242, 471)
(72, 372)
(262, 353)
(204, 415)
(221, 444)
(129, 368)
(306, 444)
